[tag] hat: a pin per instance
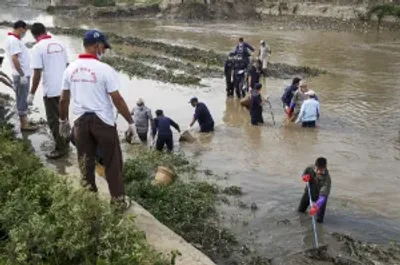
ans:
(93, 36)
(262, 41)
(302, 83)
(258, 86)
(310, 93)
(193, 99)
(140, 101)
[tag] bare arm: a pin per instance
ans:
(121, 106)
(37, 75)
(193, 121)
(17, 65)
(64, 104)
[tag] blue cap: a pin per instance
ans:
(258, 86)
(93, 36)
(193, 99)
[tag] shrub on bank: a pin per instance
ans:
(46, 221)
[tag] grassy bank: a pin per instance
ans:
(188, 207)
(46, 221)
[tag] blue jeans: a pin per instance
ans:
(21, 95)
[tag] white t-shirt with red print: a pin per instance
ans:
(90, 82)
(15, 45)
(50, 55)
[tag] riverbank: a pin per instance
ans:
(288, 15)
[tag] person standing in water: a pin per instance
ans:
(320, 186)
(202, 115)
(309, 111)
(142, 117)
(18, 56)
(289, 92)
(162, 128)
(49, 58)
(256, 105)
(297, 100)
(264, 54)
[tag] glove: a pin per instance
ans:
(314, 209)
(24, 80)
(289, 112)
(130, 133)
(30, 99)
(306, 178)
(189, 128)
(64, 129)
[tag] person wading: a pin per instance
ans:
(297, 100)
(18, 56)
(254, 74)
(320, 186)
(49, 56)
(202, 115)
(256, 106)
(288, 94)
(162, 128)
(142, 117)
(93, 87)
(264, 53)
(242, 50)
(309, 111)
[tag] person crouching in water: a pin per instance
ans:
(256, 105)
(162, 127)
(142, 117)
(320, 186)
(309, 111)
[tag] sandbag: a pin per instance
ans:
(164, 176)
(186, 137)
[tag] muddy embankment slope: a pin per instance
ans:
(286, 14)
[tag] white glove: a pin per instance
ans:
(30, 99)
(131, 129)
(189, 128)
(64, 129)
(24, 80)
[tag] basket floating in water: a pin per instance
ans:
(246, 101)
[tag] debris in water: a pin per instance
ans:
(253, 206)
(233, 191)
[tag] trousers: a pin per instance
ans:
(305, 203)
(21, 95)
(165, 140)
(52, 108)
(91, 132)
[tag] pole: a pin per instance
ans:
(312, 217)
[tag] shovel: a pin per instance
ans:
(313, 217)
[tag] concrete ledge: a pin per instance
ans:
(158, 235)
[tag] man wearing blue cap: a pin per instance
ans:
(94, 88)
(202, 115)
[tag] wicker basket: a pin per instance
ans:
(164, 176)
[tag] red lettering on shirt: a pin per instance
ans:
(53, 48)
(83, 75)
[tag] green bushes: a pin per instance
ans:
(382, 11)
(44, 220)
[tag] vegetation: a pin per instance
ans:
(186, 207)
(381, 11)
(46, 221)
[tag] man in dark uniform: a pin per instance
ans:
(239, 76)
(202, 115)
(162, 126)
(254, 74)
(320, 186)
(228, 72)
(256, 106)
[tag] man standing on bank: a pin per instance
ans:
(94, 87)
(320, 186)
(18, 56)
(202, 115)
(49, 57)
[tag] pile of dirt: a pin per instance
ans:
(216, 11)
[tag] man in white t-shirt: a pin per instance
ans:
(94, 87)
(18, 56)
(49, 57)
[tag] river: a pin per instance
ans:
(358, 132)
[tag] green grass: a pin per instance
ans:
(381, 11)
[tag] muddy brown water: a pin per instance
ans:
(358, 132)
